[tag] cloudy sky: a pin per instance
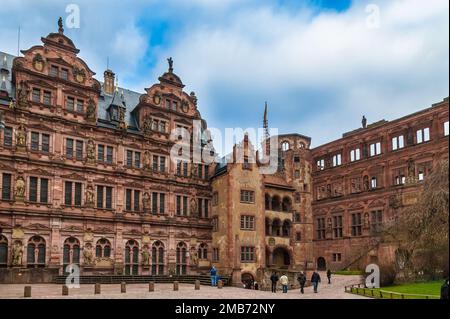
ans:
(320, 64)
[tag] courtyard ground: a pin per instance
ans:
(186, 291)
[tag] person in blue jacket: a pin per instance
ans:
(213, 272)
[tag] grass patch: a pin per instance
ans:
(422, 290)
(348, 272)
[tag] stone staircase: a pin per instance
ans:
(140, 279)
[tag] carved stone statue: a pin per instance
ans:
(19, 189)
(91, 111)
(17, 254)
(21, 136)
(90, 196)
(194, 98)
(147, 125)
(366, 220)
(90, 151)
(170, 61)
(145, 257)
(88, 255)
(146, 202)
(194, 170)
(194, 258)
(364, 122)
(60, 26)
(193, 207)
(22, 95)
(147, 162)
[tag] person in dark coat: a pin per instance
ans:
(302, 281)
(315, 280)
(274, 279)
(444, 290)
(329, 276)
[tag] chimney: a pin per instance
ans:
(108, 85)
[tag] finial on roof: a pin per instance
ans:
(364, 122)
(117, 84)
(60, 26)
(170, 61)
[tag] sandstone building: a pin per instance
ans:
(87, 178)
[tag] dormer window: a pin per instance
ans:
(174, 105)
(36, 95)
(64, 74)
(70, 103)
(54, 70)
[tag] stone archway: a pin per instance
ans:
(281, 257)
(321, 263)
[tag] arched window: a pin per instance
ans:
(131, 257)
(285, 146)
(181, 259)
(276, 203)
(71, 251)
(36, 252)
(3, 252)
(286, 228)
(267, 201)
(157, 258)
(103, 248)
(286, 205)
(276, 227)
(203, 251)
(268, 227)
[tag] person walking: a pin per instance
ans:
(302, 281)
(444, 290)
(274, 280)
(213, 273)
(329, 276)
(284, 283)
(315, 280)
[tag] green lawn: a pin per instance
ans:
(431, 289)
(348, 272)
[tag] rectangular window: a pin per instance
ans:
(162, 163)
(162, 200)
(373, 183)
(100, 153)
(216, 254)
(446, 129)
(247, 254)
(45, 147)
(44, 190)
(185, 205)
(421, 175)
(109, 154)
(32, 194)
(337, 226)
(36, 95)
(69, 148)
(356, 224)
(155, 203)
(108, 198)
(80, 106)
(137, 159)
(320, 228)
(64, 74)
(247, 196)
(247, 222)
(100, 196)
(6, 186)
(78, 192)
(375, 149)
(128, 199)
(68, 193)
(321, 164)
(47, 97)
(376, 222)
(155, 163)
(34, 141)
(423, 135)
(70, 103)
(137, 197)
(178, 204)
(355, 155)
(398, 142)
(79, 150)
(179, 168)
(54, 71)
(129, 158)
(185, 169)
(8, 136)
(337, 160)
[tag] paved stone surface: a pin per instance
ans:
(186, 291)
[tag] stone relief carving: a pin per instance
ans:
(90, 152)
(91, 111)
(90, 195)
(17, 253)
(19, 189)
(88, 254)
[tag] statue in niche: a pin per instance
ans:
(366, 220)
(21, 136)
(147, 125)
(193, 207)
(90, 111)
(19, 188)
(90, 196)
(145, 256)
(90, 151)
(194, 257)
(17, 253)
(88, 255)
(146, 202)
(22, 95)
(147, 163)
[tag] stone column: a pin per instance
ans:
(55, 244)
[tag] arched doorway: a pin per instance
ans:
(247, 280)
(281, 258)
(321, 263)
